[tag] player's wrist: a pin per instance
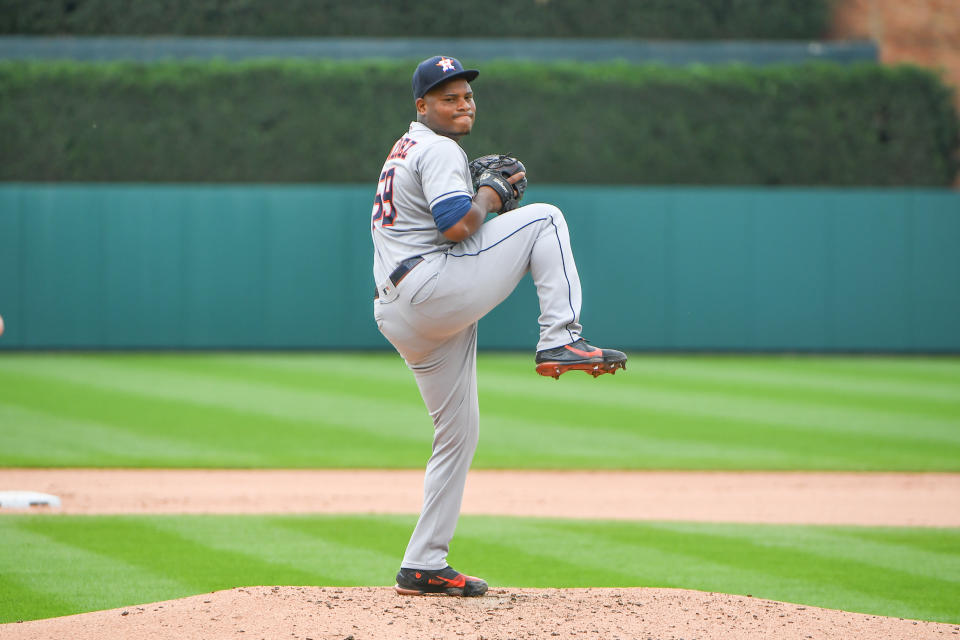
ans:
(488, 199)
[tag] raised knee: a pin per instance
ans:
(544, 209)
(540, 211)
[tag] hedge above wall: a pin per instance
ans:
(297, 121)
(677, 19)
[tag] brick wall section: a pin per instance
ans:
(923, 32)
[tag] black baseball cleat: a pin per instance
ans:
(582, 356)
(417, 582)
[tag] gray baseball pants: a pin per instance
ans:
(431, 319)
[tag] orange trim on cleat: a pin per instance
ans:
(596, 353)
(446, 581)
(440, 581)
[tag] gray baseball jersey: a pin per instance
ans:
(431, 315)
(422, 170)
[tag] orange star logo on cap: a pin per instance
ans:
(446, 64)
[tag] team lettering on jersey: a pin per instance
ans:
(401, 148)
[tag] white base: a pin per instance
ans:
(27, 499)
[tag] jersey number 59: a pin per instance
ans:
(383, 204)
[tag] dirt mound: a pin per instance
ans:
(368, 613)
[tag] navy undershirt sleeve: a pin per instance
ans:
(449, 212)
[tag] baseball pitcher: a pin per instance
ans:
(439, 268)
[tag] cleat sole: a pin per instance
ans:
(408, 592)
(470, 591)
(556, 369)
(451, 591)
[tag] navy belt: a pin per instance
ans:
(400, 272)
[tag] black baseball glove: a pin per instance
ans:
(492, 171)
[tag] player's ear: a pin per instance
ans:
(421, 106)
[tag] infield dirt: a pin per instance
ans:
(895, 499)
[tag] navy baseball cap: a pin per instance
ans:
(437, 69)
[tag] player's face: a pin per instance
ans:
(449, 109)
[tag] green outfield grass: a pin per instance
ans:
(57, 565)
(363, 410)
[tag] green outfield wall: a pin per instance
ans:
(185, 267)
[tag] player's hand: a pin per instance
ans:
(505, 175)
(517, 192)
(514, 179)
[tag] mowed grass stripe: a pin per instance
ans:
(18, 597)
(368, 376)
(272, 400)
(328, 405)
(834, 388)
(858, 586)
(217, 436)
(42, 576)
(338, 384)
(931, 558)
(124, 419)
(703, 402)
(389, 379)
(815, 374)
(54, 440)
(376, 368)
(760, 375)
(607, 439)
(509, 440)
(806, 435)
(934, 369)
(515, 436)
(732, 556)
(63, 565)
(313, 410)
(757, 380)
(321, 551)
(88, 426)
(695, 444)
(172, 556)
(926, 377)
(733, 404)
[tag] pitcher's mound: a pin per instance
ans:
(373, 613)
